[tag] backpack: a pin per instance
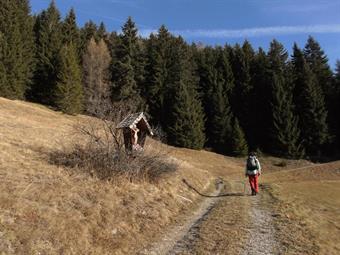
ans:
(251, 163)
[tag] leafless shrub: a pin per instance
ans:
(99, 150)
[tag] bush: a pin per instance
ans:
(98, 150)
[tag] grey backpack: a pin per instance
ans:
(251, 163)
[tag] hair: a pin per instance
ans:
(252, 153)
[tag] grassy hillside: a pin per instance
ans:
(308, 201)
(53, 210)
(49, 209)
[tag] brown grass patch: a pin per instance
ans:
(48, 209)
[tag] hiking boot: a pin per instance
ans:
(253, 192)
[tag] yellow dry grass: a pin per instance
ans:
(309, 202)
(45, 209)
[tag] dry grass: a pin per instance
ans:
(309, 206)
(47, 209)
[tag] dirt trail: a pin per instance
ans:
(262, 234)
(232, 223)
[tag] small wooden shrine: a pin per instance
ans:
(135, 129)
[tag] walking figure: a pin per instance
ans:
(253, 171)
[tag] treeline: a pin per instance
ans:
(230, 99)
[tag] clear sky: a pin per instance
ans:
(219, 21)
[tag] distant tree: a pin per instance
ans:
(318, 64)
(88, 31)
(48, 42)
(285, 133)
(96, 76)
(310, 104)
(238, 145)
(242, 60)
(216, 82)
(126, 69)
(261, 101)
(17, 48)
(337, 85)
(69, 91)
(186, 117)
(157, 74)
(70, 30)
(101, 32)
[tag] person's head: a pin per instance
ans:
(252, 154)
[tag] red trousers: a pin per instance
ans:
(253, 181)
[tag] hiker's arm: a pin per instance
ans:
(258, 166)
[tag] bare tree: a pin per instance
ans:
(96, 76)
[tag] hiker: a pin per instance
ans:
(253, 171)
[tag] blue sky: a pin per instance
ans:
(220, 21)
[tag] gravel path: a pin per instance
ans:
(262, 234)
(178, 239)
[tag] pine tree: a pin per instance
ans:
(186, 118)
(101, 32)
(318, 64)
(285, 132)
(261, 98)
(310, 104)
(157, 74)
(241, 59)
(337, 85)
(238, 145)
(126, 70)
(69, 92)
(71, 33)
(48, 42)
(17, 48)
(216, 82)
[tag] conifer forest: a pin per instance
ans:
(229, 99)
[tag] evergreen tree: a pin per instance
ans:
(126, 70)
(261, 98)
(318, 64)
(310, 104)
(337, 85)
(216, 82)
(157, 75)
(17, 48)
(101, 32)
(69, 92)
(285, 132)
(70, 30)
(186, 118)
(242, 59)
(238, 144)
(48, 43)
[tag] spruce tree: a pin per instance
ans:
(17, 48)
(186, 118)
(69, 92)
(318, 64)
(310, 104)
(238, 143)
(71, 33)
(127, 69)
(242, 59)
(48, 43)
(216, 82)
(337, 85)
(261, 101)
(285, 134)
(157, 74)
